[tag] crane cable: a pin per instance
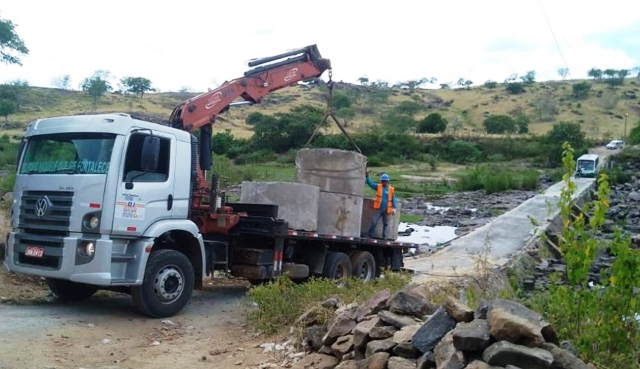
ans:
(554, 37)
(329, 113)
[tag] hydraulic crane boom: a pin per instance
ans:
(253, 87)
(200, 112)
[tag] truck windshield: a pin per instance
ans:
(77, 153)
(586, 165)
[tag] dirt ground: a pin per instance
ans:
(37, 331)
(106, 332)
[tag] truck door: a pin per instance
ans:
(144, 197)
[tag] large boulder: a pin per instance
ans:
(505, 353)
(513, 322)
(428, 336)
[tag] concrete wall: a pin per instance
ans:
(367, 215)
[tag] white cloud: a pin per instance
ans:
(192, 43)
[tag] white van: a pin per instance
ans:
(615, 144)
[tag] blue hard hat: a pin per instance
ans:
(385, 177)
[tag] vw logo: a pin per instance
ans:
(42, 207)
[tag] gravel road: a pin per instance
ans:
(106, 332)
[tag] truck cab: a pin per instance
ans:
(94, 195)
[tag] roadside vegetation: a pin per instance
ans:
(603, 321)
(274, 307)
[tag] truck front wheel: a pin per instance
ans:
(167, 284)
(70, 291)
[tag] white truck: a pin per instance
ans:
(111, 202)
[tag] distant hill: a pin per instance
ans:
(601, 113)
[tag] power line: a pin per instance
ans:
(554, 36)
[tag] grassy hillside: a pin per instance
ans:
(601, 114)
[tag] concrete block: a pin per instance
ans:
(339, 214)
(297, 203)
(367, 216)
(332, 170)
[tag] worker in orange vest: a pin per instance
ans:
(384, 204)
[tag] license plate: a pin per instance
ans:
(34, 251)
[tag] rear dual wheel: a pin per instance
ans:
(364, 266)
(361, 264)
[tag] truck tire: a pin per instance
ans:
(337, 266)
(364, 266)
(71, 291)
(167, 284)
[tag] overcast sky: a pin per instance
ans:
(198, 44)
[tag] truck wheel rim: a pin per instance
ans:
(341, 272)
(366, 271)
(169, 284)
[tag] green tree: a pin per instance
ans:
(563, 72)
(409, 108)
(347, 114)
(498, 124)
(137, 85)
(522, 122)
(468, 83)
(634, 135)
(10, 43)
(339, 101)
(595, 73)
(491, 84)
(432, 123)
(7, 107)
(62, 82)
(398, 123)
(529, 78)
(363, 81)
(285, 131)
(258, 118)
(581, 90)
(561, 133)
(97, 85)
(514, 88)
(18, 89)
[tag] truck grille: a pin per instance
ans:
(57, 216)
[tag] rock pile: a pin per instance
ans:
(405, 331)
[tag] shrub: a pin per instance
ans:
(432, 123)
(492, 179)
(600, 321)
(514, 88)
(497, 124)
(462, 152)
(281, 301)
(256, 157)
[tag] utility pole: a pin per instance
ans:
(625, 125)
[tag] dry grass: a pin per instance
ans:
(470, 106)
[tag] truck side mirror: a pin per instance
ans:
(150, 153)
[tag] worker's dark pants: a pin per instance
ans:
(380, 213)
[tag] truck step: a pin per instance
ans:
(122, 282)
(122, 257)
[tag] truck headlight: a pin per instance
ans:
(94, 221)
(87, 248)
(91, 221)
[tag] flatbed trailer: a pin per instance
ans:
(261, 247)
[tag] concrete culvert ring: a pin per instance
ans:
(337, 266)
(364, 265)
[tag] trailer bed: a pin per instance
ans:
(358, 240)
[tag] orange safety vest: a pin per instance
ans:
(378, 200)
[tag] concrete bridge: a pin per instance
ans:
(498, 241)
